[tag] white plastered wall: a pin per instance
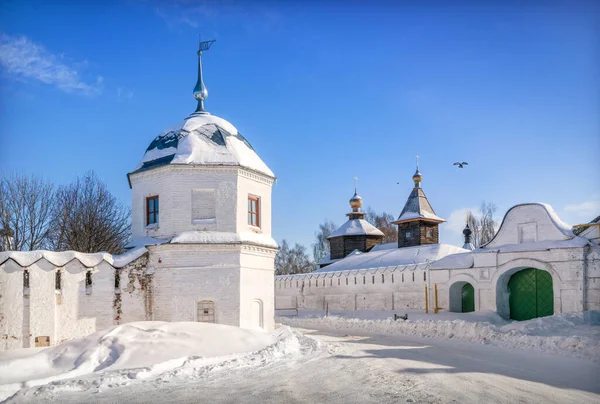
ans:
(257, 300)
(185, 274)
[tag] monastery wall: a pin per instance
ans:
(393, 288)
(43, 311)
(575, 275)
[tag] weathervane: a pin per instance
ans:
(200, 91)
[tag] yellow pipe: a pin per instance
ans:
(426, 301)
(435, 310)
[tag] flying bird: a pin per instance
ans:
(460, 165)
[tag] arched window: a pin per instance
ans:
(338, 281)
(392, 278)
(413, 276)
(382, 278)
(373, 280)
(206, 311)
(402, 277)
(424, 276)
(364, 280)
(355, 280)
(346, 281)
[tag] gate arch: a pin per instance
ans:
(531, 294)
(462, 297)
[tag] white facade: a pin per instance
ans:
(531, 236)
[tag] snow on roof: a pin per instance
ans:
(220, 237)
(388, 257)
(60, 259)
(417, 206)
(386, 246)
(574, 242)
(562, 227)
(423, 215)
(454, 261)
(356, 227)
(202, 139)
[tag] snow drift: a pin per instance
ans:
(139, 351)
(570, 334)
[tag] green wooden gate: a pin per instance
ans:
(468, 298)
(531, 294)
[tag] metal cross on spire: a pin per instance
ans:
(200, 91)
(355, 184)
(417, 160)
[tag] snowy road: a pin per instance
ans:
(377, 368)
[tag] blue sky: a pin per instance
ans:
(324, 91)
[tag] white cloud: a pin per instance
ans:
(124, 94)
(21, 57)
(588, 208)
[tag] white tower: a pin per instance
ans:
(201, 203)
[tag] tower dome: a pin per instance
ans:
(355, 201)
(202, 139)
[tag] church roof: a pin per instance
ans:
(387, 256)
(202, 139)
(356, 227)
(418, 207)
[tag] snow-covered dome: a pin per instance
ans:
(202, 139)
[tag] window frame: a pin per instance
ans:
(155, 211)
(254, 214)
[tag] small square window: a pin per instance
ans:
(408, 234)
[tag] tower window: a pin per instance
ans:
(253, 211)
(88, 282)
(413, 276)
(26, 282)
(346, 281)
(58, 280)
(151, 210)
(424, 276)
(382, 278)
(364, 280)
(402, 277)
(429, 232)
(373, 280)
(392, 278)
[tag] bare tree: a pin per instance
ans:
(294, 260)
(484, 227)
(475, 230)
(25, 212)
(383, 222)
(487, 222)
(88, 218)
(321, 246)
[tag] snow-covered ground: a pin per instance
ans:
(572, 334)
(338, 359)
(132, 352)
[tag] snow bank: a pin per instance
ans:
(137, 351)
(571, 334)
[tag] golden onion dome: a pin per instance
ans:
(355, 201)
(417, 178)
